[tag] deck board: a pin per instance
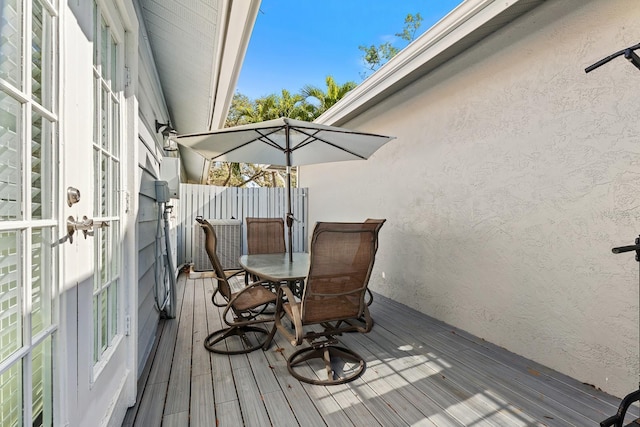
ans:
(179, 391)
(420, 372)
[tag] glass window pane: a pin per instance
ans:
(96, 329)
(114, 63)
(11, 46)
(11, 396)
(104, 117)
(95, 34)
(104, 40)
(104, 334)
(102, 236)
(36, 51)
(115, 129)
(97, 185)
(41, 167)
(41, 63)
(41, 280)
(114, 228)
(115, 191)
(41, 382)
(10, 158)
(96, 115)
(104, 186)
(10, 294)
(113, 310)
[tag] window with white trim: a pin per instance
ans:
(106, 169)
(28, 223)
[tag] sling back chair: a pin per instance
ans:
(265, 236)
(379, 223)
(341, 260)
(242, 335)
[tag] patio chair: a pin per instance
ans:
(379, 223)
(265, 236)
(342, 257)
(242, 335)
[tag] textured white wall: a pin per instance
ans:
(513, 175)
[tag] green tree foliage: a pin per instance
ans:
(325, 99)
(375, 57)
(411, 25)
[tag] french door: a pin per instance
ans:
(93, 322)
(63, 344)
(29, 270)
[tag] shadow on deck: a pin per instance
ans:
(419, 372)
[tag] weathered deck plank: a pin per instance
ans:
(179, 392)
(420, 372)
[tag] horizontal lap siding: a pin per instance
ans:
(212, 202)
(147, 222)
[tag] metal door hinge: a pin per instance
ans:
(127, 325)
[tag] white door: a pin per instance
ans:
(92, 303)
(63, 346)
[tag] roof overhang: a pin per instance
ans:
(198, 47)
(466, 25)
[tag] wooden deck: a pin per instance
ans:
(419, 372)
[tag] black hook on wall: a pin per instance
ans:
(628, 53)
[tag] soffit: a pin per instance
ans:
(184, 42)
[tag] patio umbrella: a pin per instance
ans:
(284, 142)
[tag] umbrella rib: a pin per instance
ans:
(263, 137)
(310, 140)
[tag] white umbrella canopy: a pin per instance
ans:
(284, 142)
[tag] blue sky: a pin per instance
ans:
(299, 42)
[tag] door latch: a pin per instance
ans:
(73, 196)
(86, 225)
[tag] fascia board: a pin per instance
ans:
(460, 25)
(235, 33)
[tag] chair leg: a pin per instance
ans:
(267, 342)
(247, 339)
(328, 354)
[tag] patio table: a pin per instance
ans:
(277, 268)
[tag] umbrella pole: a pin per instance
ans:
(289, 214)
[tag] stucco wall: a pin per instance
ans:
(513, 175)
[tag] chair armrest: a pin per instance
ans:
(233, 300)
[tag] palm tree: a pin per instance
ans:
(272, 107)
(326, 99)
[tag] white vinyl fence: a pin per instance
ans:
(232, 203)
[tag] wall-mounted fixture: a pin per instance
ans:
(167, 132)
(628, 53)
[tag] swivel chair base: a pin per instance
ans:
(327, 354)
(236, 340)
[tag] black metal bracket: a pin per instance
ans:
(629, 248)
(628, 53)
(618, 419)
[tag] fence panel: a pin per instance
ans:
(212, 202)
